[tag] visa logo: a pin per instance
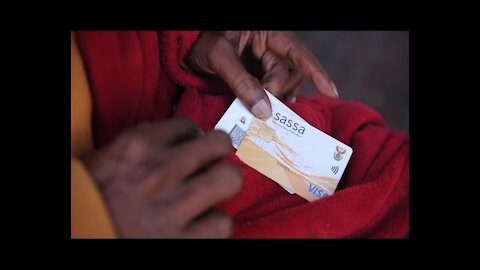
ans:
(316, 191)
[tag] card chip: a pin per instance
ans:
(237, 134)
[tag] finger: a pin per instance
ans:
(213, 225)
(292, 95)
(175, 131)
(276, 74)
(206, 190)
(186, 160)
(192, 156)
(286, 44)
(294, 81)
(163, 133)
(145, 140)
(227, 65)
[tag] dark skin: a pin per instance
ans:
(164, 180)
(283, 58)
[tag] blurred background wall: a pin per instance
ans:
(368, 66)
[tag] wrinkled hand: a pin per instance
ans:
(163, 180)
(284, 60)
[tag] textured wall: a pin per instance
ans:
(369, 66)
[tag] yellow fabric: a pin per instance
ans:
(81, 105)
(89, 215)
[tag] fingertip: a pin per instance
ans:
(262, 109)
(224, 224)
(334, 89)
(222, 141)
(236, 179)
(325, 86)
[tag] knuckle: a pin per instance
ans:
(245, 85)
(269, 60)
(138, 142)
(132, 144)
(216, 49)
(217, 43)
(133, 132)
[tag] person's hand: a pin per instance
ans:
(284, 60)
(163, 180)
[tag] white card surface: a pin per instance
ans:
(288, 150)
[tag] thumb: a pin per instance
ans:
(228, 66)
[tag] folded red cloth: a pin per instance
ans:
(132, 77)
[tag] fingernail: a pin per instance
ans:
(334, 88)
(292, 99)
(261, 109)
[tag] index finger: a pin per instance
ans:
(287, 44)
(219, 183)
(228, 66)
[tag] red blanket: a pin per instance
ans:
(371, 199)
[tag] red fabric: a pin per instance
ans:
(128, 83)
(372, 197)
(371, 200)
